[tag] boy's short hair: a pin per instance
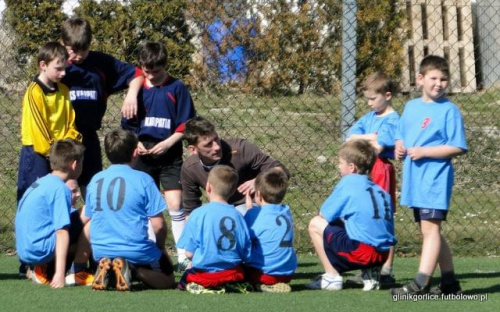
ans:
(378, 82)
(63, 153)
(431, 62)
(77, 34)
(152, 54)
(272, 184)
(197, 127)
(119, 146)
(50, 51)
(359, 152)
(224, 180)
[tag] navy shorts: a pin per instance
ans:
(92, 161)
(164, 169)
(346, 254)
(429, 214)
(163, 265)
(31, 167)
(76, 227)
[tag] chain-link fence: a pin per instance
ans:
(282, 75)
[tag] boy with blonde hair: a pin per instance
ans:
(273, 261)
(379, 128)
(355, 227)
(431, 132)
(216, 239)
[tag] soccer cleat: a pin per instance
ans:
(81, 278)
(23, 270)
(198, 289)
(387, 280)
(325, 282)
(39, 275)
(101, 278)
(122, 273)
(446, 289)
(276, 288)
(238, 287)
(410, 289)
(370, 278)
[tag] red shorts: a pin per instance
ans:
(255, 276)
(384, 175)
(215, 279)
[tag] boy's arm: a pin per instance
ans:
(370, 137)
(62, 245)
(159, 227)
(399, 150)
(163, 146)
(129, 107)
(436, 152)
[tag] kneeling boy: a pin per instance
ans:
(355, 227)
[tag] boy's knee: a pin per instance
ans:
(317, 225)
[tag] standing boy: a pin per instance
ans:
(165, 105)
(121, 202)
(355, 227)
(216, 239)
(431, 132)
(273, 260)
(45, 226)
(47, 116)
(91, 78)
(379, 128)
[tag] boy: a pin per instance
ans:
(355, 227)
(216, 239)
(165, 105)
(273, 260)
(121, 202)
(45, 227)
(47, 116)
(91, 78)
(431, 132)
(379, 128)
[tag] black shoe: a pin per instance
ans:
(410, 289)
(447, 289)
(387, 280)
(23, 269)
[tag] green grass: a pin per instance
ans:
(479, 276)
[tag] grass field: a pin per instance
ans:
(480, 279)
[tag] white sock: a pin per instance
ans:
(178, 223)
(386, 270)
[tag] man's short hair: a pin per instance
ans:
(119, 146)
(272, 184)
(378, 82)
(197, 127)
(224, 181)
(359, 152)
(77, 34)
(152, 54)
(63, 153)
(51, 51)
(431, 62)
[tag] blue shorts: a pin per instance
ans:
(346, 254)
(429, 214)
(31, 167)
(92, 161)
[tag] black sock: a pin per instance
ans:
(448, 278)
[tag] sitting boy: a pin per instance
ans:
(273, 258)
(355, 227)
(121, 202)
(216, 239)
(45, 228)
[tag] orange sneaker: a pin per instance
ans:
(81, 278)
(39, 275)
(101, 277)
(122, 273)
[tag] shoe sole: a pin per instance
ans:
(276, 288)
(119, 266)
(101, 280)
(193, 288)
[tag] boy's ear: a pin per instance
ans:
(388, 96)
(192, 149)
(258, 197)
(208, 188)
(42, 65)
(353, 168)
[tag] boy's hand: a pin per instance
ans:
(248, 201)
(141, 149)
(160, 148)
(399, 150)
(416, 153)
(129, 107)
(57, 280)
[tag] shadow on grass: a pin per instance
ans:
(10, 276)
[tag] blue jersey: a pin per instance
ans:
(120, 201)
(271, 230)
(365, 209)
(91, 83)
(218, 237)
(43, 210)
(162, 110)
(383, 126)
(427, 182)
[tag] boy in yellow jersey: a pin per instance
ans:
(47, 116)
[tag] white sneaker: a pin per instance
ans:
(370, 278)
(325, 282)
